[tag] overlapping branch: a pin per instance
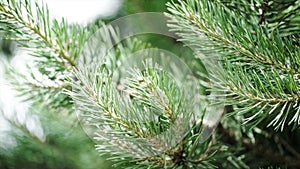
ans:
(261, 68)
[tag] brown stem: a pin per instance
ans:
(8, 13)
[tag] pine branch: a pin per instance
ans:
(261, 68)
(18, 17)
(275, 14)
(54, 151)
(146, 120)
(23, 126)
(266, 96)
(55, 47)
(214, 25)
(138, 118)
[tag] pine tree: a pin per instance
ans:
(246, 58)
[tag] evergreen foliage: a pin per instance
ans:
(261, 63)
(255, 44)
